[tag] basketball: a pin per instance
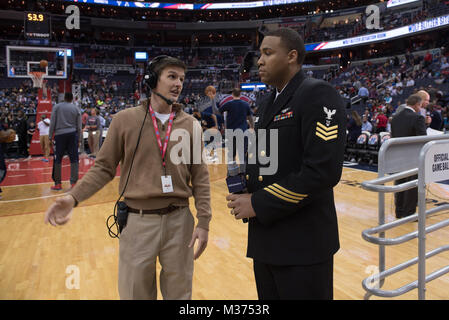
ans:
(43, 63)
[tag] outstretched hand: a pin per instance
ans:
(60, 212)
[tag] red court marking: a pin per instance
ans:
(34, 170)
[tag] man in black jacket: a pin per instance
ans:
(293, 232)
(409, 122)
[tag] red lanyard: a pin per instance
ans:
(163, 148)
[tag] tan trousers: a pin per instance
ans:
(93, 139)
(45, 145)
(146, 237)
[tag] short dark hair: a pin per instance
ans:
(168, 61)
(68, 96)
(292, 40)
(236, 92)
(414, 99)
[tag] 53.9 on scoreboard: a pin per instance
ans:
(37, 25)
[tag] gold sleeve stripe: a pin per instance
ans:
(326, 138)
(326, 128)
(318, 129)
(284, 193)
(288, 191)
(280, 197)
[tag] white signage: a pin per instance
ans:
(437, 163)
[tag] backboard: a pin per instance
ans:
(22, 60)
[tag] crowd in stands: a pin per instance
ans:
(382, 89)
(345, 27)
(378, 88)
(194, 57)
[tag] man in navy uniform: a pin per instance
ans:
(293, 232)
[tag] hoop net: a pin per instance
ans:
(38, 78)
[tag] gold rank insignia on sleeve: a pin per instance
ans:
(326, 133)
(284, 194)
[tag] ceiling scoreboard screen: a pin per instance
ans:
(37, 25)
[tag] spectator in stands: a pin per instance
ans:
(410, 82)
(427, 59)
(366, 125)
(440, 80)
(446, 119)
(381, 122)
(388, 129)
(416, 63)
(437, 118)
(363, 93)
(444, 63)
(388, 98)
(354, 126)
(367, 114)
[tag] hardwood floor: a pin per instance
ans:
(38, 261)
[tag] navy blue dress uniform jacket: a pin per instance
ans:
(296, 221)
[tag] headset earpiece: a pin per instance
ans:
(151, 76)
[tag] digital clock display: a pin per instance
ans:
(37, 25)
(35, 17)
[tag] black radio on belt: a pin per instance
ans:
(122, 215)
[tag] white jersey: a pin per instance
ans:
(43, 128)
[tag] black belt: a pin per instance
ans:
(161, 211)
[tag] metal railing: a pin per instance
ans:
(400, 158)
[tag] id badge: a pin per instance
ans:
(167, 185)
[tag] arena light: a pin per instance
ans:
(395, 3)
(140, 55)
(252, 86)
(69, 53)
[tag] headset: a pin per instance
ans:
(150, 83)
(150, 79)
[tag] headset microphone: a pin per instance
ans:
(168, 101)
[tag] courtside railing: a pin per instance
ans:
(427, 157)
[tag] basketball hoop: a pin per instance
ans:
(38, 78)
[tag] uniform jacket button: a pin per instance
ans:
(260, 178)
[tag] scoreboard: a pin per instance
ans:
(37, 25)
